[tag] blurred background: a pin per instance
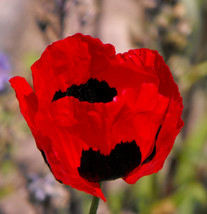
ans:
(178, 30)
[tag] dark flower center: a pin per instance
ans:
(92, 91)
(96, 167)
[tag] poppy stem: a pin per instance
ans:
(94, 205)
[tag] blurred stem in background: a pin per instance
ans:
(51, 20)
(60, 6)
(197, 13)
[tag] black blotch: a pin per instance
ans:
(92, 91)
(96, 167)
(45, 159)
(58, 95)
(151, 156)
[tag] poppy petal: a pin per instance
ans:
(152, 62)
(61, 68)
(27, 99)
(56, 153)
(170, 128)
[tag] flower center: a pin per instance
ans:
(92, 91)
(96, 167)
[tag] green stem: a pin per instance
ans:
(94, 205)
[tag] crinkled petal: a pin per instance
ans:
(72, 60)
(152, 62)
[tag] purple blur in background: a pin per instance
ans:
(5, 69)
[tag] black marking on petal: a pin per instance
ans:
(58, 95)
(96, 167)
(151, 156)
(45, 159)
(59, 181)
(158, 132)
(92, 91)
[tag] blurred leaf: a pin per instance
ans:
(114, 201)
(7, 167)
(195, 141)
(192, 153)
(6, 190)
(193, 75)
(193, 14)
(188, 197)
(166, 206)
(30, 58)
(146, 191)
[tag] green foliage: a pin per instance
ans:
(189, 196)
(5, 191)
(7, 167)
(115, 201)
(192, 153)
(30, 58)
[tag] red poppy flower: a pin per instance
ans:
(97, 115)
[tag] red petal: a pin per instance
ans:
(170, 129)
(141, 126)
(27, 99)
(63, 156)
(72, 60)
(152, 62)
